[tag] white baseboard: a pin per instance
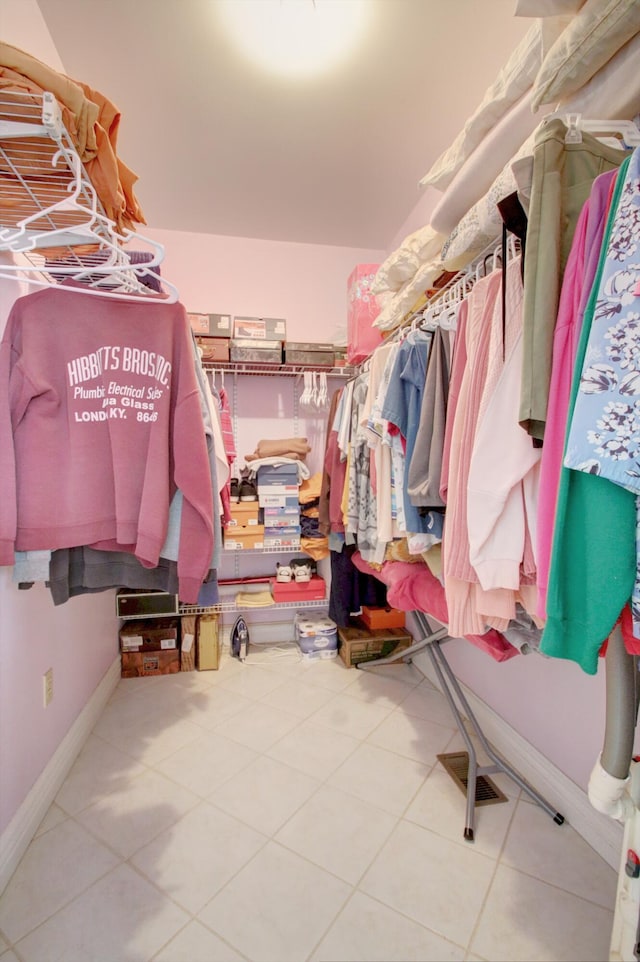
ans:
(603, 834)
(15, 840)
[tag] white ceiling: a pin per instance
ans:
(222, 147)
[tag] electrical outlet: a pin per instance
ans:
(47, 687)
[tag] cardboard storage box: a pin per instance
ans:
(278, 474)
(270, 542)
(273, 500)
(260, 328)
(239, 537)
(188, 643)
(296, 352)
(382, 617)
(282, 531)
(275, 526)
(356, 645)
(282, 515)
(284, 486)
(244, 513)
(159, 634)
(211, 325)
(136, 663)
(208, 643)
(255, 351)
(313, 590)
(214, 348)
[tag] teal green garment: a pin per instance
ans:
(593, 558)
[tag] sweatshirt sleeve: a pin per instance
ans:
(192, 475)
(8, 508)
(502, 457)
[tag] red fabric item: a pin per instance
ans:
(631, 643)
(413, 587)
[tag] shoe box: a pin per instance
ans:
(213, 348)
(280, 480)
(381, 617)
(244, 529)
(357, 644)
(211, 325)
(260, 328)
(244, 514)
(240, 536)
(268, 498)
(213, 333)
(319, 355)
(255, 351)
(313, 590)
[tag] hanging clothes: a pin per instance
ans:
(576, 287)
(581, 611)
(562, 178)
(604, 434)
(101, 423)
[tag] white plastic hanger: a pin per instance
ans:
(616, 133)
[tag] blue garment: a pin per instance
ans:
(402, 407)
(604, 435)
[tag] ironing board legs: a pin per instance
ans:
(449, 685)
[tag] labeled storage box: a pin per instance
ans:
(275, 525)
(211, 325)
(188, 643)
(207, 643)
(269, 543)
(273, 500)
(244, 513)
(382, 617)
(260, 328)
(284, 515)
(136, 663)
(319, 355)
(356, 645)
(255, 351)
(285, 473)
(281, 531)
(279, 490)
(213, 348)
(160, 634)
(238, 537)
(313, 590)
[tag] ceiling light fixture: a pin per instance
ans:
(295, 37)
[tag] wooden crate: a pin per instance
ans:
(356, 645)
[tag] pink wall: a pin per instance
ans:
(304, 283)
(552, 703)
(419, 216)
(78, 640)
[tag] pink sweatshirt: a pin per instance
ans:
(576, 288)
(100, 422)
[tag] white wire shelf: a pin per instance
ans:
(168, 606)
(231, 605)
(275, 370)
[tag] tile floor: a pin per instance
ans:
(280, 811)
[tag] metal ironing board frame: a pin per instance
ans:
(450, 687)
